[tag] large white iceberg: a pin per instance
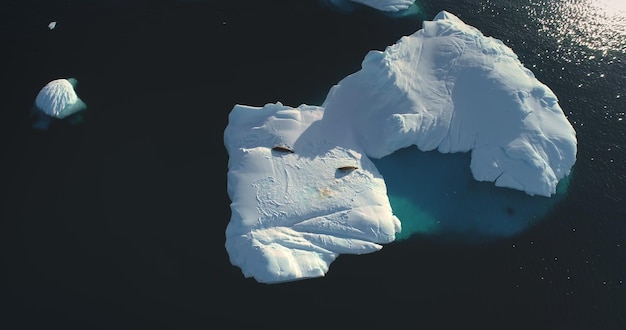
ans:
(449, 87)
(446, 87)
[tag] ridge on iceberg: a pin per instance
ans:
(302, 187)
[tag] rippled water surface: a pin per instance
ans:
(596, 24)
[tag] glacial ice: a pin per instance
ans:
(301, 182)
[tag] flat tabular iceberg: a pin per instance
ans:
(446, 87)
(299, 200)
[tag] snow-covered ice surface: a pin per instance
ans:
(447, 87)
(450, 88)
(57, 100)
(296, 209)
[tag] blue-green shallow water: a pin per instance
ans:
(434, 194)
(119, 223)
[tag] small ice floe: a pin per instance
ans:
(56, 101)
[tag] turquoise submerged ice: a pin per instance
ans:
(446, 88)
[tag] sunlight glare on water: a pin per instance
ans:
(596, 24)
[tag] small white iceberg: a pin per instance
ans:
(387, 6)
(57, 100)
(52, 25)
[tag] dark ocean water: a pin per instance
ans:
(119, 223)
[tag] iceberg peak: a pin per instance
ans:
(444, 15)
